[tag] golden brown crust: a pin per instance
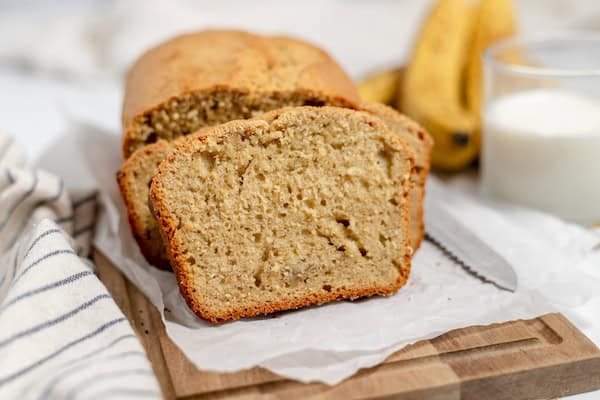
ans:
(422, 144)
(168, 223)
(237, 62)
(198, 308)
(128, 179)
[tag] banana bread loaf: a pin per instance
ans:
(210, 77)
(134, 182)
(295, 207)
(137, 171)
(421, 144)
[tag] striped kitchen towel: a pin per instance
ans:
(61, 334)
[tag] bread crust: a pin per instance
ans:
(233, 61)
(421, 143)
(125, 180)
(417, 138)
(168, 223)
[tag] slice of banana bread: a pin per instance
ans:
(137, 171)
(210, 77)
(134, 180)
(421, 144)
(296, 207)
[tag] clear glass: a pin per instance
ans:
(541, 124)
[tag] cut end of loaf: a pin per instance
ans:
(422, 144)
(189, 112)
(299, 207)
(134, 180)
(209, 77)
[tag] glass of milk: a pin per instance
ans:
(541, 124)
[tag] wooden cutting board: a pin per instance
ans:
(543, 358)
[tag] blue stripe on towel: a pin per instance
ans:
(78, 368)
(9, 176)
(62, 220)
(20, 201)
(13, 270)
(52, 322)
(45, 257)
(86, 199)
(73, 364)
(42, 289)
(41, 203)
(42, 361)
(40, 237)
(15, 259)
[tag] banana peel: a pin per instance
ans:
(495, 21)
(453, 130)
(442, 86)
(433, 84)
(381, 86)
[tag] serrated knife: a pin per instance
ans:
(456, 240)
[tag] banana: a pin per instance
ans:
(443, 81)
(495, 21)
(433, 91)
(380, 87)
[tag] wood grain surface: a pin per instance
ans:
(543, 358)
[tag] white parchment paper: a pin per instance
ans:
(557, 267)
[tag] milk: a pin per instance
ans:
(541, 148)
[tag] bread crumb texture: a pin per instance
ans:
(421, 143)
(134, 180)
(210, 77)
(297, 207)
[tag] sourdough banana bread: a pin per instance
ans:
(296, 207)
(421, 144)
(210, 77)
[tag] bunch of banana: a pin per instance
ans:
(433, 84)
(382, 87)
(441, 85)
(494, 21)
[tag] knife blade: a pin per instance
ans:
(462, 245)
